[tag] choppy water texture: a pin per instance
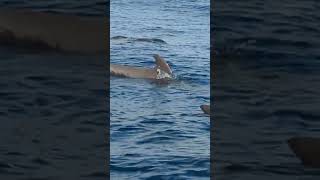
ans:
(79, 7)
(159, 131)
(52, 108)
(266, 88)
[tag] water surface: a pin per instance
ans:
(52, 107)
(158, 131)
(266, 87)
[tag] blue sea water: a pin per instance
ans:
(158, 131)
(266, 88)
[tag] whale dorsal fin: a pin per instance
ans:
(162, 64)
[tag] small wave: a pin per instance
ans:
(5, 165)
(128, 168)
(95, 175)
(119, 37)
(7, 38)
(237, 48)
(40, 161)
(156, 140)
(311, 116)
(237, 168)
(132, 39)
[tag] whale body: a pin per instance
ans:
(161, 70)
(307, 149)
(205, 109)
(68, 33)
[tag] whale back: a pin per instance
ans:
(69, 33)
(162, 64)
(205, 109)
(307, 149)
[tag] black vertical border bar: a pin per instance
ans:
(107, 85)
(212, 78)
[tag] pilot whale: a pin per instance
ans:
(307, 149)
(68, 33)
(161, 70)
(205, 109)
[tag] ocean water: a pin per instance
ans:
(53, 107)
(79, 7)
(266, 88)
(157, 130)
